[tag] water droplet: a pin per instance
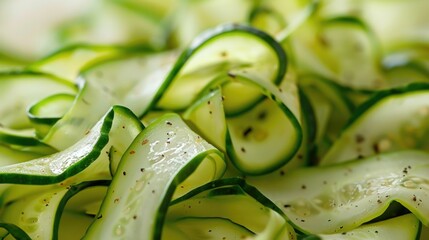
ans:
(119, 230)
(413, 182)
(138, 186)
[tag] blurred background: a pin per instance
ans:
(31, 29)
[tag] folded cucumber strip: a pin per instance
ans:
(67, 62)
(50, 109)
(368, 132)
(207, 117)
(340, 197)
(166, 157)
(46, 112)
(305, 154)
(18, 91)
(216, 52)
(130, 80)
(117, 128)
(39, 214)
(332, 107)
(398, 228)
(351, 40)
(267, 136)
(271, 123)
(230, 202)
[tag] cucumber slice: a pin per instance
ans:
(67, 62)
(274, 124)
(46, 112)
(39, 214)
(16, 99)
(18, 91)
(118, 128)
(230, 201)
(207, 117)
(340, 197)
(216, 53)
(408, 114)
(399, 228)
(156, 164)
(329, 101)
(131, 80)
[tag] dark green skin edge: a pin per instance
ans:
(232, 186)
(180, 177)
(294, 122)
(15, 231)
(70, 193)
(228, 186)
(413, 87)
(212, 34)
(102, 140)
(309, 128)
(20, 140)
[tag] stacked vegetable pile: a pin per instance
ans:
(206, 119)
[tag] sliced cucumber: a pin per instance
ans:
(329, 102)
(39, 214)
(67, 63)
(46, 112)
(399, 228)
(208, 117)
(15, 101)
(16, 130)
(231, 202)
(122, 81)
(340, 197)
(400, 116)
(271, 124)
(118, 128)
(156, 164)
(217, 52)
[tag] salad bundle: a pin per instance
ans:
(204, 119)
